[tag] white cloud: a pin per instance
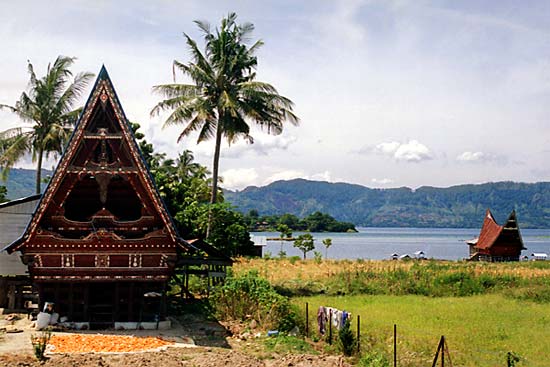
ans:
(324, 176)
(382, 181)
(411, 151)
(292, 174)
(284, 175)
(479, 157)
(239, 178)
(471, 157)
(263, 145)
(387, 148)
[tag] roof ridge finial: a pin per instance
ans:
(103, 74)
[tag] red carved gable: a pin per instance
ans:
(101, 214)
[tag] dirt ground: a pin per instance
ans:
(199, 343)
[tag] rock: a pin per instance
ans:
(253, 324)
(294, 332)
(11, 317)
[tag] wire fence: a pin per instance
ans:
(440, 354)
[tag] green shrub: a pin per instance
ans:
(250, 295)
(39, 343)
(374, 359)
(293, 259)
(537, 293)
(317, 257)
(346, 339)
(288, 344)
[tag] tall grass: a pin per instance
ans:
(527, 281)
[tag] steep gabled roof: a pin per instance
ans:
(491, 231)
(103, 92)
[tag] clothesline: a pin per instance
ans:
(337, 317)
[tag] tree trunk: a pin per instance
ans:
(39, 171)
(215, 166)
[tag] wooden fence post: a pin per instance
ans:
(442, 349)
(394, 345)
(358, 334)
(307, 320)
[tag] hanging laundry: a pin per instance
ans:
(322, 320)
(333, 316)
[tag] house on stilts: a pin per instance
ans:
(495, 242)
(101, 244)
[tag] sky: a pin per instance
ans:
(389, 93)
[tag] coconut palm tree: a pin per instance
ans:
(186, 165)
(224, 96)
(46, 108)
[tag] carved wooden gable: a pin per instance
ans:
(101, 216)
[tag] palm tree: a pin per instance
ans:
(47, 109)
(225, 95)
(186, 165)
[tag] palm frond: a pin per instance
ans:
(204, 26)
(15, 149)
(7, 107)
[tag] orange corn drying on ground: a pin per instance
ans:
(74, 343)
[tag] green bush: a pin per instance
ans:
(346, 339)
(293, 259)
(317, 257)
(40, 342)
(250, 295)
(374, 359)
(288, 344)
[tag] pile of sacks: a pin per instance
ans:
(47, 317)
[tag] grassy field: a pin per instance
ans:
(526, 280)
(480, 330)
(484, 310)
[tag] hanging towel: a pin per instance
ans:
(322, 320)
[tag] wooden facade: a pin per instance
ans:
(496, 242)
(101, 238)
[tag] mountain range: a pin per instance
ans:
(461, 206)
(21, 182)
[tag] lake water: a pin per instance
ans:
(380, 243)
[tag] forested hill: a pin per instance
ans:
(21, 182)
(457, 206)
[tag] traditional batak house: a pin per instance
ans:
(496, 242)
(101, 244)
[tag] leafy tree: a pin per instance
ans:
(185, 164)
(3, 194)
(47, 110)
(327, 242)
(290, 220)
(285, 231)
(224, 95)
(185, 189)
(304, 243)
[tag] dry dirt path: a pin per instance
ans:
(204, 344)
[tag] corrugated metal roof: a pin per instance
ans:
(14, 217)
